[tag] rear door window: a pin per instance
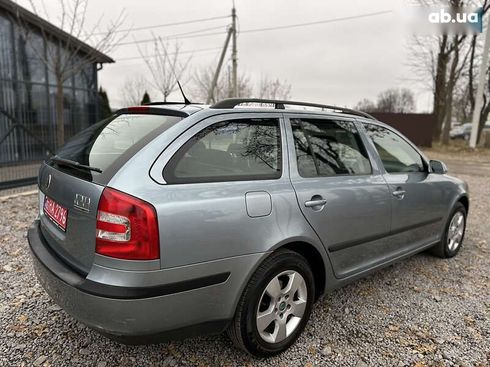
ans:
(328, 148)
(102, 144)
(235, 150)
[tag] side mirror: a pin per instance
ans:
(438, 167)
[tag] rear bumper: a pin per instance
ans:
(203, 304)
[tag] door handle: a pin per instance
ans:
(314, 203)
(399, 193)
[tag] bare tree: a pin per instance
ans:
(461, 104)
(365, 105)
(133, 90)
(66, 54)
(453, 70)
(204, 77)
(391, 100)
(439, 76)
(454, 74)
(474, 62)
(165, 67)
(266, 88)
(396, 100)
(274, 89)
(443, 61)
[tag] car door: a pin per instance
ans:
(417, 199)
(225, 189)
(342, 196)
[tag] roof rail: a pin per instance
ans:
(164, 103)
(280, 105)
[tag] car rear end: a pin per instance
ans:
(79, 215)
(97, 248)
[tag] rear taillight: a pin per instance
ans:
(127, 227)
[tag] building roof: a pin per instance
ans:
(37, 22)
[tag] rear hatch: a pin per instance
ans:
(71, 183)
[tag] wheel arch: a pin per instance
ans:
(315, 260)
(463, 199)
(314, 253)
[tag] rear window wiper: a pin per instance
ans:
(73, 164)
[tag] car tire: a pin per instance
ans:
(453, 236)
(275, 305)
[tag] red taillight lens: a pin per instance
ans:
(127, 227)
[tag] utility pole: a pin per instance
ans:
(234, 52)
(479, 91)
(218, 68)
(230, 91)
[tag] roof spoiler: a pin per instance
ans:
(152, 111)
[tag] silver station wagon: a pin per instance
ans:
(171, 220)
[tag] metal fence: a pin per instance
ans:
(25, 142)
(28, 124)
(418, 127)
(22, 148)
(28, 128)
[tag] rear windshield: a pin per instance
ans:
(100, 145)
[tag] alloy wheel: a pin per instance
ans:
(281, 306)
(455, 231)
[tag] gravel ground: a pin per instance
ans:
(421, 312)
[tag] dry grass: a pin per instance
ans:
(457, 149)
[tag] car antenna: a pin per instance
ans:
(186, 101)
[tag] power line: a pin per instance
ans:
(170, 53)
(112, 66)
(196, 31)
(325, 21)
(170, 24)
(332, 20)
(178, 35)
